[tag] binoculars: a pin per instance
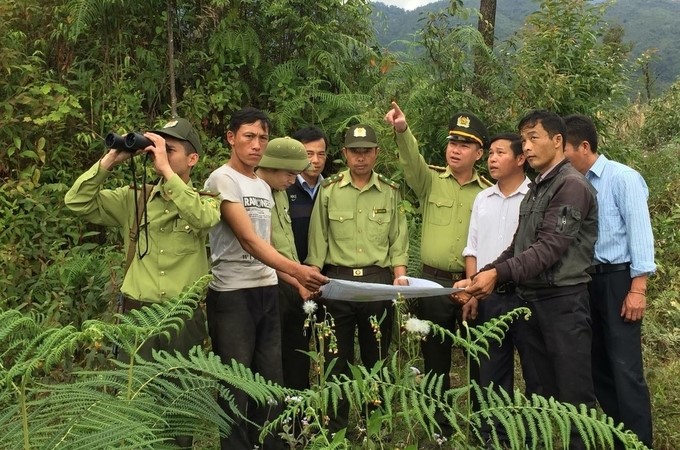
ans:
(131, 142)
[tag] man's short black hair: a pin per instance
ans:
(512, 137)
(550, 121)
(310, 134)
(249, 115)
(579, 129)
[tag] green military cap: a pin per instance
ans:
(286, 154)
(360, 136)
(181, 129)
(467, 127)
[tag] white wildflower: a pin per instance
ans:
(418, 326)
(309, 307)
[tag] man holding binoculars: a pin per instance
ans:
(170, 253)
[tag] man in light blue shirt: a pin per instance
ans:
(624, 258)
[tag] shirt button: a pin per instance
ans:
(170, 191)
(162, 273)
(361, 250)
(360, 211)
(162, 229)
(341, 219)
(166, 211)
(187, 227)
(162, 251)
(162, 293)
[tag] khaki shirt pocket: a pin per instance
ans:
(341, 224)
(184, 240)
(440, 210)
(379, 225)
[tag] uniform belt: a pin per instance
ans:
(130, 304)
(506, 288)
(331, 269)
(607, 268)
(438, 273)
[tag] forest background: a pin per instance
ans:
(74, 70)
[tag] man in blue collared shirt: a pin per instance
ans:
(624, 258)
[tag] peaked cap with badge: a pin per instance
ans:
(467, 127)
(285, 154)
(360, 136)
(181, 129)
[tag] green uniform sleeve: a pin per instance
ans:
(399, 239)
(318, 230)
(416, 172)
(86, 198)
(202, 212)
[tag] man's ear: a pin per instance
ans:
(230, 137)
(586, 147)
(193, 159)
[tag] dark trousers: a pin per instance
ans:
(294, 338)
(192, 334)
(244, 325)
(618, 375)
(437, 354)
(354, 318)
(559, 337)
(498, 368)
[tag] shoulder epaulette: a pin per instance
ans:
(332, 179)
(138, 187)
(387, 181)
(485, 181)
(206, 193)
(437, 168)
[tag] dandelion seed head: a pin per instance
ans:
(417, 326)
(309, 307)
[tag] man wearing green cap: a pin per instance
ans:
(358, 232)
(177, 223)
(283, 160)
(446, 196)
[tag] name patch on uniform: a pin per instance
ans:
(379, 210)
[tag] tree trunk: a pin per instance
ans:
(485, 26)
(487, 21)
(171, 59)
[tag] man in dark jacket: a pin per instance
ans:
(547, 260)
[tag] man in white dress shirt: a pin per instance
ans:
(495, 214)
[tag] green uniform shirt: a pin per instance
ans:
(178, 222)
(283, 239)
(446, 206)
(354, 227)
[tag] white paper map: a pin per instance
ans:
(357, 291)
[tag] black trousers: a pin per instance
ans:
(559, 337)
(499, 367)
(244, 325)
(353, 318)
(294, 338)
(618, 375)
(437, 355)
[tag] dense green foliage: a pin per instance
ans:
(73, 70)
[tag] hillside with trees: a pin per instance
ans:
(650, 27)
(74, 70)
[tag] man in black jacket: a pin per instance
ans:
(547, 260)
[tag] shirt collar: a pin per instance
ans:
(598, 166)
(475, 177)
(304, 183)
(522, 189)
(347, 180)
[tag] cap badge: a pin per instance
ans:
(463, 121)
(360, 132)
(170, 124)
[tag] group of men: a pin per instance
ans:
(278, 230)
